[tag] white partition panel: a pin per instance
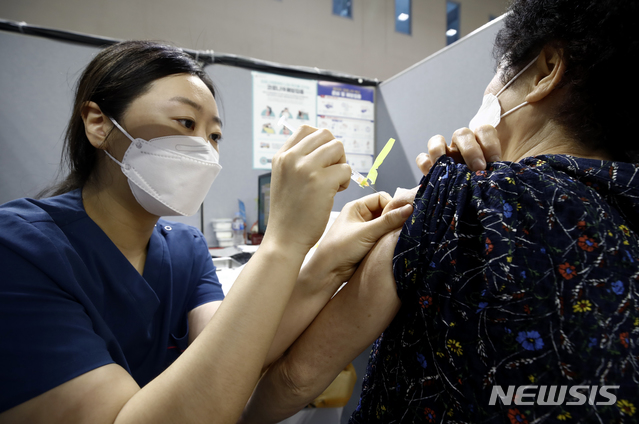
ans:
(435, 96)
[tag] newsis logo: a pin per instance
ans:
(553, 395)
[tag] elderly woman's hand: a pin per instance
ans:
(360, 224)
(472, 148)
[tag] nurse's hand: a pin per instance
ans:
(471, 148)
(307, 173)
(358, 227)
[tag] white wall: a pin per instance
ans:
(294, 32)
(436, 96)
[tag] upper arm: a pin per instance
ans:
(200, 316)
(346, 326)
(349, 323)
(94, 397)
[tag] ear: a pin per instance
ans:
(550, 69)
(96, 124)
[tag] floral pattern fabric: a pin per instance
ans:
(523, 274)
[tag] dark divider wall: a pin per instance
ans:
(37, 79)
(37, 82)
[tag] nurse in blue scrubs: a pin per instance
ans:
(110, 314)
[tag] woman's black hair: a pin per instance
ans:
(599, 43)
(114, 78)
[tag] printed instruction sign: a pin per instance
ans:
(275, 96)
(348, 111)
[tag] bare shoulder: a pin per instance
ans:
(95, 397)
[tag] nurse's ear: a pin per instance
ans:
(97, 125)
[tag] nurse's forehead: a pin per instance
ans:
(185, 85)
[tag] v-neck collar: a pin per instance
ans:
(117, 268)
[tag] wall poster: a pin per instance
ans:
(275, 96)
(348, 111)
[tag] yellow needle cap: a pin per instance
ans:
(372, 173)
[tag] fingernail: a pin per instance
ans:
(495, 158)
(478, 165)
(407, 210)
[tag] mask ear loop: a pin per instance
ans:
(123, 166)
(515, 77)
(122, 129)
(510, 82)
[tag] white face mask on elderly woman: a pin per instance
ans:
(490, 110)
(170, 175)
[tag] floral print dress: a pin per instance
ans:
(525, 274)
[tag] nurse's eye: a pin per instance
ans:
(216, 137)
(187, 123)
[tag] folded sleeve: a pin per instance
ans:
(207, 285)
(436, 211)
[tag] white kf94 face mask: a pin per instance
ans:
(170, 175)
(490, 110)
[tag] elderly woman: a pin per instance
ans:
(512, 295)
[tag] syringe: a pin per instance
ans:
(361, 180)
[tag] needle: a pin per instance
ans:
(361, 180)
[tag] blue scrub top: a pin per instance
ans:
(71, 302)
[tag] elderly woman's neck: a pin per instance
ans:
(551, 140)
